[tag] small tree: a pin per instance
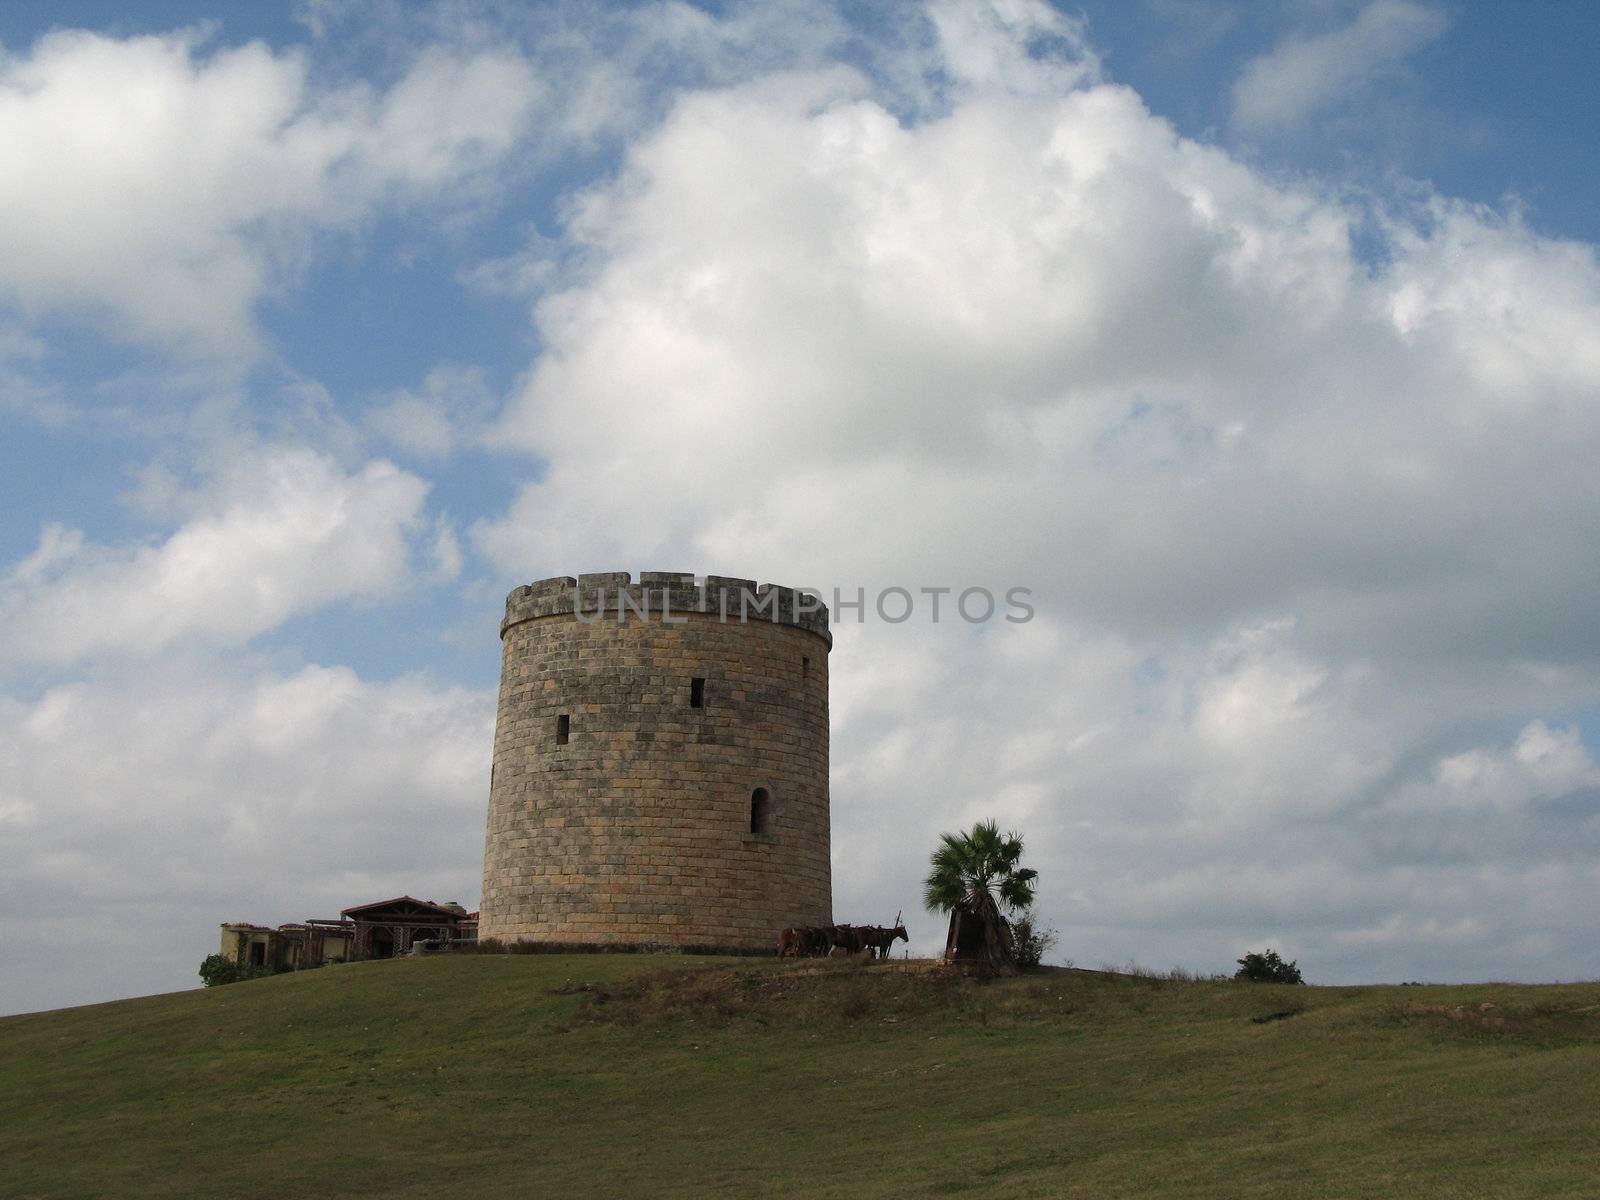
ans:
(218, 969)
(1267, 968)
(977, 873)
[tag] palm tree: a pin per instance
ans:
(973, 875)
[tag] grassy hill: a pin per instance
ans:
(549, 1076)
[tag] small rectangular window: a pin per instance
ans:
(697, 693)
(563, 729)
(805, 668)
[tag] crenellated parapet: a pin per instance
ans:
(665, 595)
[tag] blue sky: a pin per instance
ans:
(1261, 341)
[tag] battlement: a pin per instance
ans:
(612, 595)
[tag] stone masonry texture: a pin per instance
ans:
(638, 827)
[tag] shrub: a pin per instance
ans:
(1031, 940)
(1267, 968)
(217, 969)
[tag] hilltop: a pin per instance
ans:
(558, 1075)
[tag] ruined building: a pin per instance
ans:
(382, 929)
(660, 763)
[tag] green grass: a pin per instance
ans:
(554, 1076)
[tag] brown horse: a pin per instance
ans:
(795, 942)
(805, 941)
(844, 937)
(879, 939)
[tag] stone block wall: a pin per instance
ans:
(637, 828)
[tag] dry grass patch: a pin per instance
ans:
(1539, 1022)
(828, 994)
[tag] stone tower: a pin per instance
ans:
(660, 763)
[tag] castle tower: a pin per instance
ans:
(660, 763)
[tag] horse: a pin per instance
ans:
(881, 940)
(843, 937)
(795, 942)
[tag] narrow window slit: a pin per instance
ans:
(697, 693)
(760, 810)
(563, 729)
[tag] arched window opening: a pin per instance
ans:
(760, 810)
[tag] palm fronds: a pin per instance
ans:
(977, 872)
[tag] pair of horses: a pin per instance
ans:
(807, 941)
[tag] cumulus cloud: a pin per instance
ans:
(1302, 525)
(1304, 75)
(279, 533)
(139, 812)
(1162, 385)
(1543, 764)
(163, 187)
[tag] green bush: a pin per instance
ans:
(1267, 968)
(218, 969)
(1031, 940)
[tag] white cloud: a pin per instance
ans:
(164, 188)
(1544, 763)
(450, 407)
(447, 118)
(1304, 75)
(164, 185)
(445, 552)
(142, 811)
(1516, 312)
(1018, 47)
(1300, 527)
(281, 532)
(1096, 357)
